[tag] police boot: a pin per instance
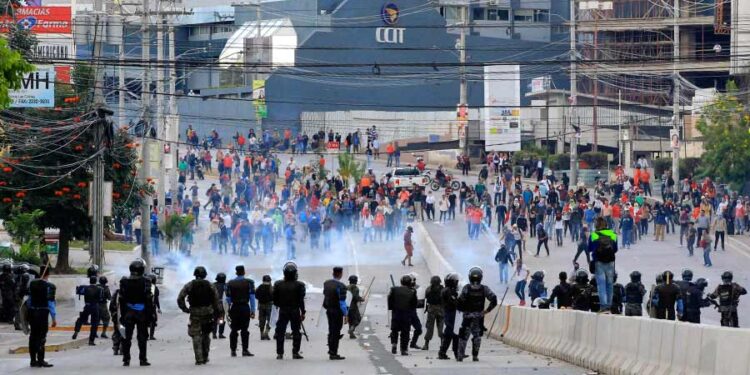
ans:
(352, 336)
(104, 332)
(426, 345)
(413, 344)
(393, 349)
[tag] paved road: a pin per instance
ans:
(370, 354)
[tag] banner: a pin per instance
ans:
(40, 20)
(37, 90)
(259, 99)
(502, 108)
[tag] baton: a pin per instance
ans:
(367, 296)
(499, 307)
(304, 331)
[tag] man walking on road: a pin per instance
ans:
(334, 301)
(602, 247)
(204, 311)
(472, 300)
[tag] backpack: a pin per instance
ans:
(605, 252)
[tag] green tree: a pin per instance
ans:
(175, 228)
(23, 226)
(725, 125)
(12, 69)
(350, 168)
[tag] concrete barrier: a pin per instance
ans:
(623, 345)
(430, 252)
(686, 353)
(732, 352)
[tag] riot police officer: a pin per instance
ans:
(695, 301)
(155, 293)
(334, 302)
(471, 303)
(118, 333)
(402, 300)
(728, 294)
(634, 292)
(92, 271)
(618, 296)
(136, 311)
(289, 297)
(685, 284)
(449, 299)
(204, 311)
(434, 309)
(414, 316)
(104, 298)
(8, 294)
(23, 280)
(264, 294)
(41, 306)
(582, 292)
(667, 298)
(220, 285)
(241, 300)
(354, 316)
(92, 294)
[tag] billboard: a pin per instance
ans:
(37, 90)
(259, 99)
(502, 108)
(40, 20)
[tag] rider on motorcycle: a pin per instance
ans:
(440, 175)
(421, 164)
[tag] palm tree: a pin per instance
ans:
(174, 229)
(350, 168)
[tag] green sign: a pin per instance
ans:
(52, 248)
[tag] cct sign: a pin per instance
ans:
(389, 35)
(40, 20)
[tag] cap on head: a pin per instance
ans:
(239, 270)
(435, 281)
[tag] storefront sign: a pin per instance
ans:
(37, 90)
(40, 20)
(389, 35)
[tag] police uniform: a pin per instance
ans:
(334, 302)
(41, 305)
(136, 313)
(114, 311)
(471, 301)
(204, 310)
(449, 299)
(354, 315)
(92, 294)
(289, 297)
(241, 300)
(729, 297)
(220, 288)
(634, 292)
(264, 294)
(7, 294)
(694, 301)
(435, 314)
(402, 300)
(102, 305)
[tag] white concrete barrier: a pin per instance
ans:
(430, 252)
(732, 352)
(624, 345)
(686, 353)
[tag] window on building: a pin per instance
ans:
(503, 15)
(541, 15)
(491, 14)
(523, 15)
(478, 14)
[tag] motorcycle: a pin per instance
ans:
(448, 181)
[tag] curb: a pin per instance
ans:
(74, 344)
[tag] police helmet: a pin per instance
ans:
(23, 268)
(687, 275)
(582, 276)
(635, 276)
(353, 279)
(239, 270)
(266, 278)
(200, 272)
(92, 271)
(660, 279)
(406, 280)
(701, 283)
(451, 280)
(668, 277)
(6, 268)
(92, 280)
(137, 267)
(538, 275)
(152, 277)
(475, 275)
(103, 280)
(727, 276)
(221, 277)
(290, 271)
(435, 281)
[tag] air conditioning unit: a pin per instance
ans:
(492, 2)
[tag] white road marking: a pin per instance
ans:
(382, 369)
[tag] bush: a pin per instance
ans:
(661, 165)
(594, 160)
(559, 162)
(689, 166)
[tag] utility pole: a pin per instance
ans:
(463, 86)
(121, 73)
(160, 120)
(258, 51)
(97, 186)
(174, 128)
(676, 95)
(573, 96)
(595, 108)
(546, 109)
(619, 126)
(143, 173)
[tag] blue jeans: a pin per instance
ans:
(605, 278)
(504, 266)
(521, 289)
(627, 235)
(291, 251)
(155, 246)
(707, 257)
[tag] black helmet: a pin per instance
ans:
(406, 280)
(538, 276)
(668, 277)
(353, 279)
(6, 268)
(451, 280)
(290, 271)
(582, 276)
(137, 267)
(92, 280)
(687, 275)
(103, 280)
(200, 272)
(635, 276)
(660, 279)
(266, 278)
(435, 281)
(727, 277)
(239, 270)
(93, 271)
(152, 277)
(475, 275)
(221, 277)
(701, 283)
